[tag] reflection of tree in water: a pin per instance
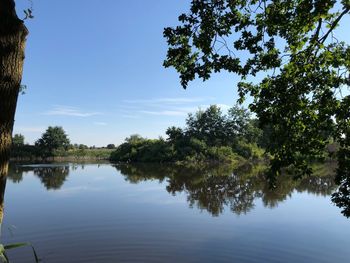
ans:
(342, 197)
(214, 188)
(15, 173)
(216, 192)
(321, 183)
(320, 186)
(135, 174)
(52, 177)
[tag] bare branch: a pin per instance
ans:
(334, 24)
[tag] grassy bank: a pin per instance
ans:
(31, 154)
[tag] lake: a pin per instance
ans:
(162, 213)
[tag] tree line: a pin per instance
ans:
(209, 135)
(52, 143)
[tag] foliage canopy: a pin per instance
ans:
(209, 135)
(18, 140)
(54, 138)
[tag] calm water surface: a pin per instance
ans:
(103, 213)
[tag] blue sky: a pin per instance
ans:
(95, 68)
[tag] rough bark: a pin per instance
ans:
(2, 194)
(12, 42)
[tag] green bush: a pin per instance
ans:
(208, 136)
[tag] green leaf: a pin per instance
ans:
(17, 245)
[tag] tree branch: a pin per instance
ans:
(334, 24)
(315, 36)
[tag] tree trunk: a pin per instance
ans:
(12, 42)
(2, 194)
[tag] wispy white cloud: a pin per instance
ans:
(130, 116)
(168, 100)
(165, 113)
(29, 129)
(133, 109)
(223, 107)
(68, 191)
(100, 123)
(70, 111)
(191, 109)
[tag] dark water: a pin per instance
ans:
(102, 213)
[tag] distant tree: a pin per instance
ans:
(18, 140)
(241, 126)
(134, 139)
(54, 138)
(83, 147)
(238, 120)
(174, 133)
(208, 125)
(110, 146)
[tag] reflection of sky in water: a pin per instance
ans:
(110, 219)
(69, 191)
